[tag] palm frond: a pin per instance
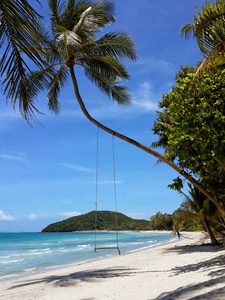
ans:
(115, 44)
(120, 94)
(187, 30)
(111, 89)
(94, 17)
(59, 80)
(21, 40)
(210, 13)
(108, 67)
(53, 55)
(208, 26)
(27, 91)
(72, 11)
(57, 8)
(19, 28)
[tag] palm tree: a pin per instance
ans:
(208, 29)
(20, 40)
(74, 28)
(74, 25)
(204, 209)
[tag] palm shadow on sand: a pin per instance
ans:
(214, 268)
(85, 276)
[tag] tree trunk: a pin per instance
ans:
(211, 235)
(143, 147)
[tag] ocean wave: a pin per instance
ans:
(46, 252)
(30, 254)
(11, 261)
(30, 269)
(137, 243)
(84, 246)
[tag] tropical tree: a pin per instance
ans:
(161, 221)
(205, 210)
(208, 29)
(193, 133)
(20, 41)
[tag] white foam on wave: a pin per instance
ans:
(137, 243)
(84, 246)
(30, 254)
(11, 261)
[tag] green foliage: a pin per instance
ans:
(177, 184)
(196, 137)
(184, 219)
(161, 222)
(105, 221)
(197, 212)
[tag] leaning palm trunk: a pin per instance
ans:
(211, 235)
(141, 146)
(74, 28)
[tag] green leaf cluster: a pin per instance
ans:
(194, 133)
(161, 221)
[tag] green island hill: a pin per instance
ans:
(105, 221)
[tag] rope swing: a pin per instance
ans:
(96, 199)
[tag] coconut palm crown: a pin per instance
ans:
(209, 30)
(74, 26)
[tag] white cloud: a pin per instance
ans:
(143, 99)
(5, 217)
(70, 214)
(20, 157)
(77, 168)
(33, 217)
(110, 182)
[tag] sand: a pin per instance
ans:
(180, 270)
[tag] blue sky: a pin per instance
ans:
(47, 173)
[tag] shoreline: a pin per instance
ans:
(178, 270)
(84, 261)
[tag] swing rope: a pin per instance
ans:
(96, 193)
(114, 178)
(96, 199)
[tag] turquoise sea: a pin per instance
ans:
(23, 253)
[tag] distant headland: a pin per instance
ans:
(105, 221)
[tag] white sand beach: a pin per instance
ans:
(181, 270)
